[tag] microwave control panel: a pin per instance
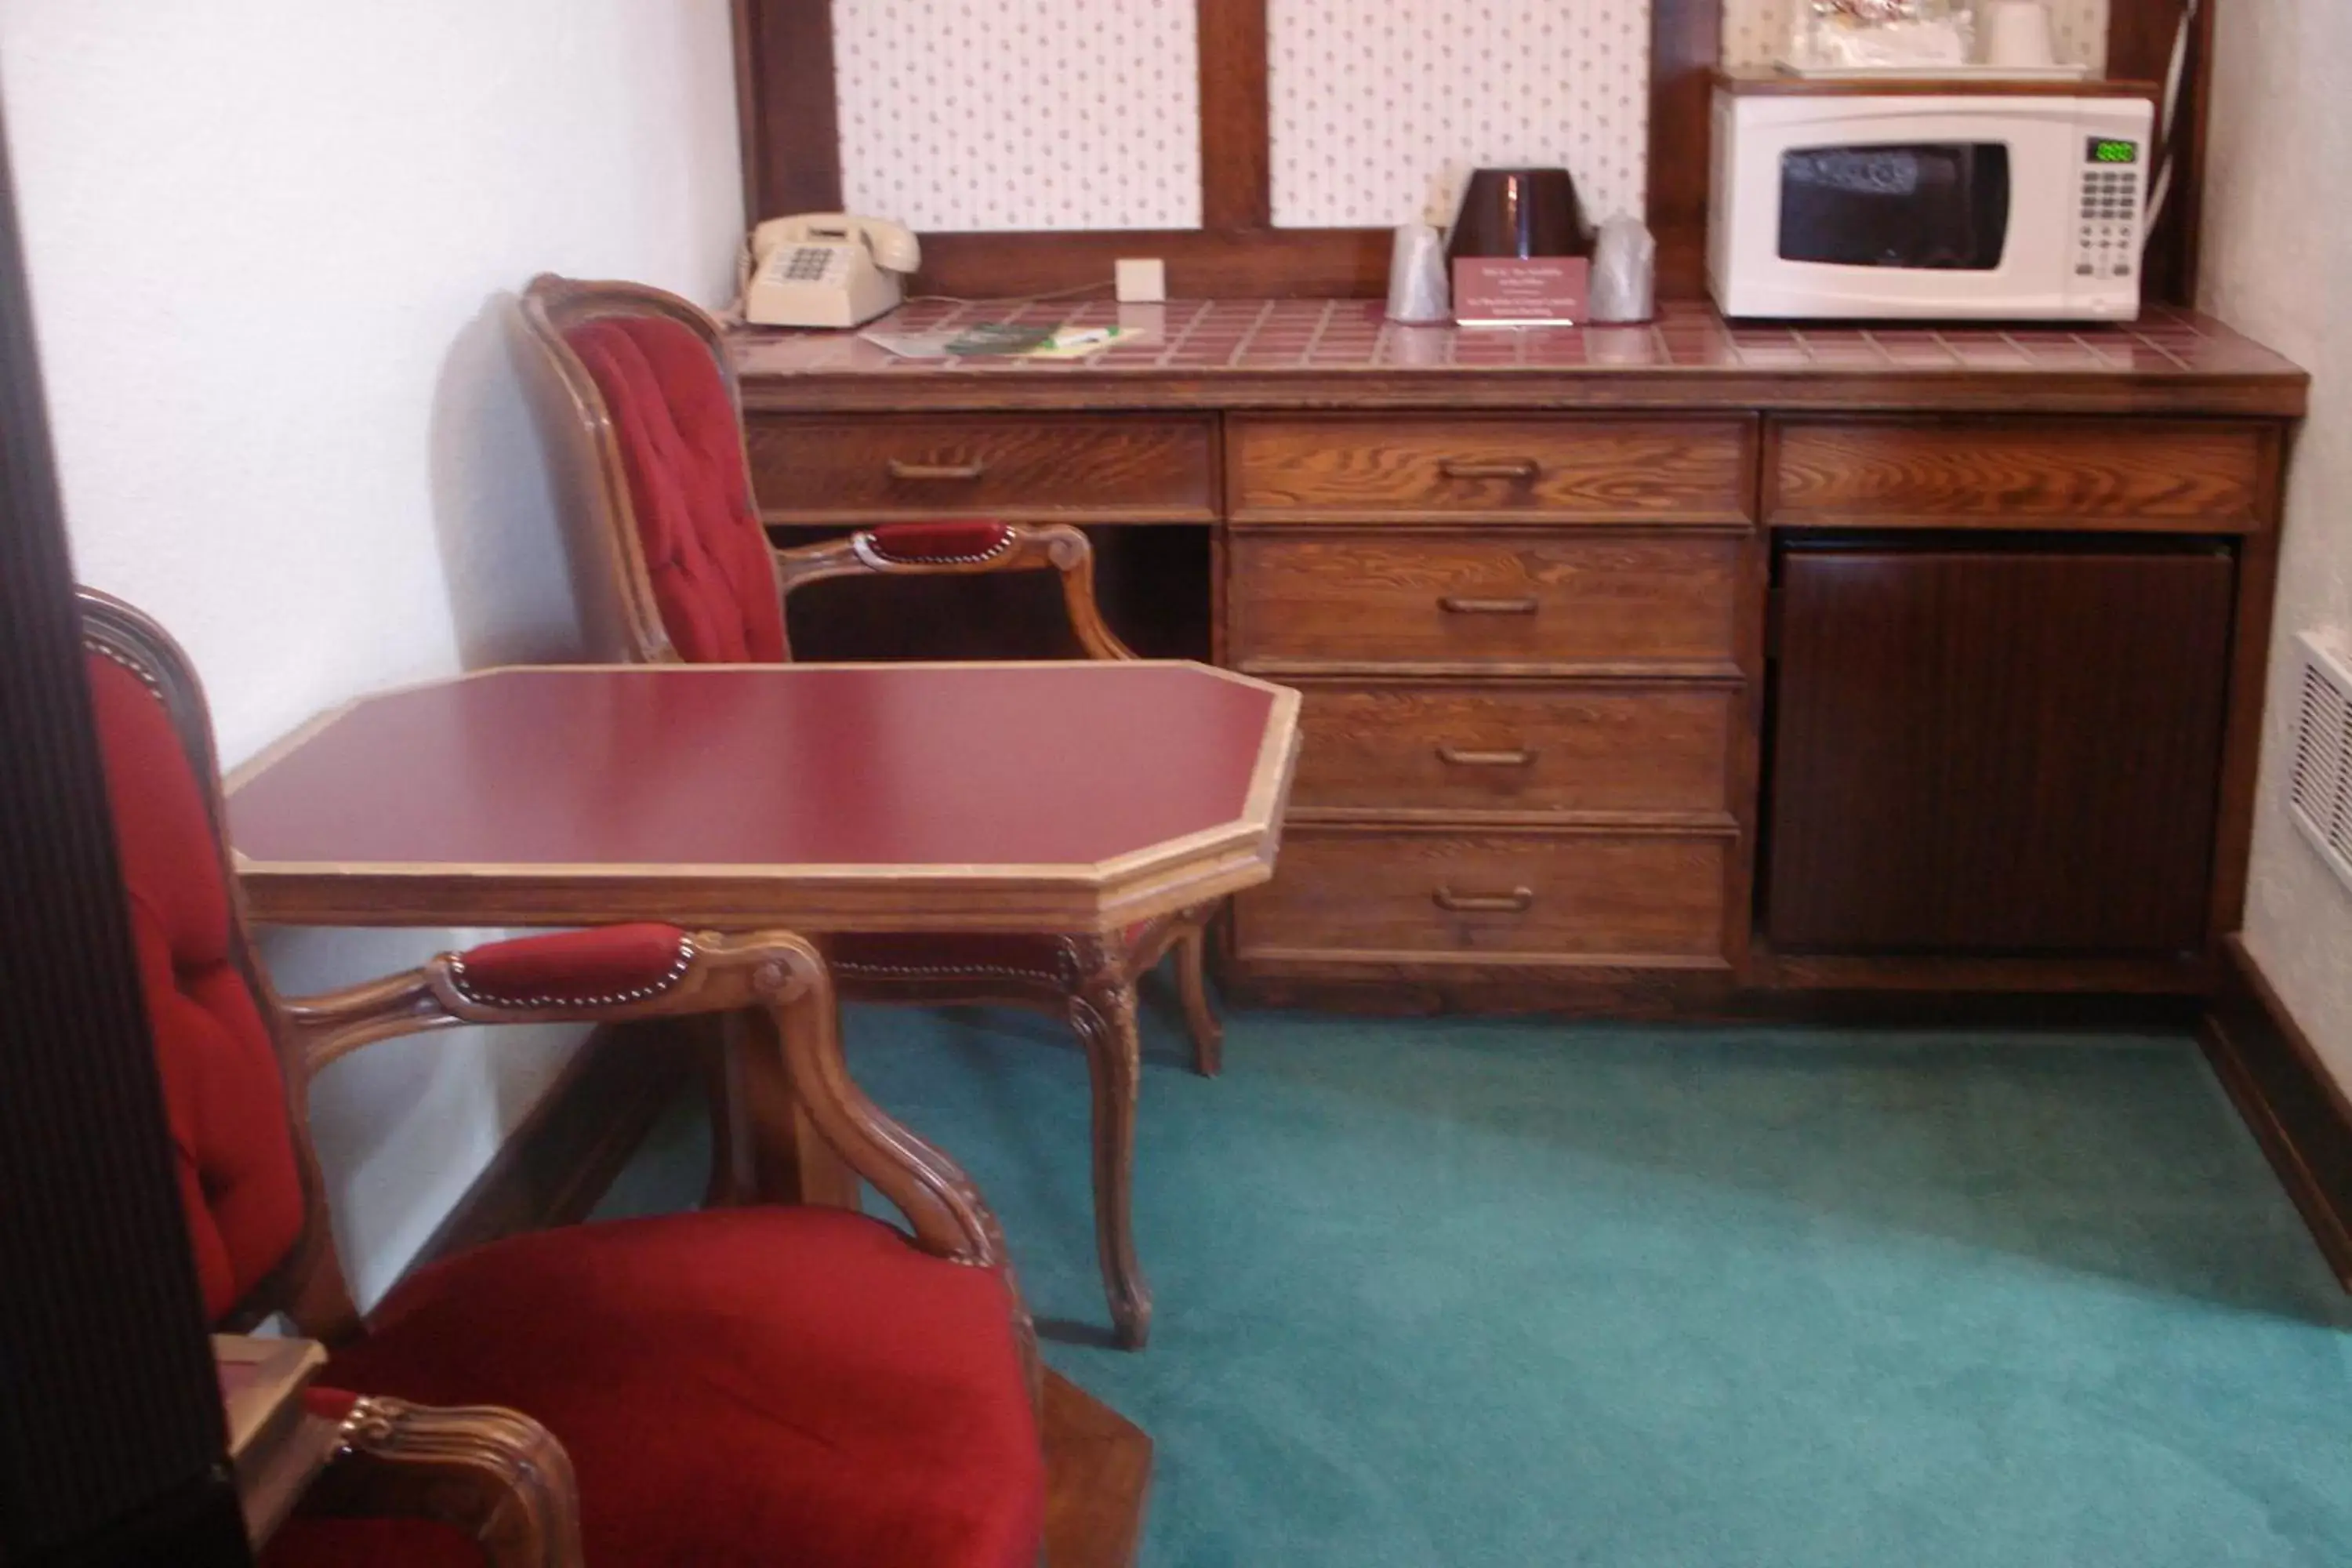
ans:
(2106, 242)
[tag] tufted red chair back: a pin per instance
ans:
(706, 556)
(224, 1088)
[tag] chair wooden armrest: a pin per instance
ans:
(495, 1475)
(964, 548)
(619, 974)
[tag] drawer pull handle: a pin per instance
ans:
(899, 470)
(1454, 605)
(1460, 758)
(1517, 468)
(1517, 901)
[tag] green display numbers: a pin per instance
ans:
(2103, 151)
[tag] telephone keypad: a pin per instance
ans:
(808, 264)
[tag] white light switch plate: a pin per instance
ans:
(1140, 281)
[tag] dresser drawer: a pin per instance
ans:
(1468, 747)
(1538, 468)
(1976, 473)
(1410, 896)
(1300, 598)
(1076, 467)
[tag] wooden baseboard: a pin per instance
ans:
(555, 1166)
(2294, 1104)
(1097, 1476)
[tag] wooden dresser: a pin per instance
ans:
(1672, 666)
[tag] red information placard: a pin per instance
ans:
(1509, 291)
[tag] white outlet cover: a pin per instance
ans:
(1140, 280)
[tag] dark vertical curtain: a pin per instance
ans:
(110, 1428)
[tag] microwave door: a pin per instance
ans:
(1915, 207)
(1940, 210)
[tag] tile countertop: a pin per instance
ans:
(1306, 353)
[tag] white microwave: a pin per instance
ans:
(1943, 206)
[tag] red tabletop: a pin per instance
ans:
(835, 798)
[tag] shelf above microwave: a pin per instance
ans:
(1986, 79)
(1969, 76)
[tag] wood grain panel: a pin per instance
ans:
(788, 110)
(1460, 747)
(2202, 479)
(1391, 896)
(1236, 149)
(820, 468)
(1496, 468)
(1997, 751)
(2141, 36)
(2291, 1100)
(1685, 43)
(1097, 1478)
(1202, 264)
(1558, 599)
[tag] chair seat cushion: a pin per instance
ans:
(758, 1385)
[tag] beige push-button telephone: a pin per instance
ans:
(825, 269)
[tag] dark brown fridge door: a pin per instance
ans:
(1978, 749)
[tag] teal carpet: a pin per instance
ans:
(1469, 1292)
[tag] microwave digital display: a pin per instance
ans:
(2107, 151)
(1928, 206)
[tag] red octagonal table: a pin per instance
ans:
(1010, 797)
(1074, 798)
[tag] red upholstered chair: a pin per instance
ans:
(672, 564)
(765, 1384)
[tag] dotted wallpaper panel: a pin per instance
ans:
(962, 114)
(1373, 98)
(1756, 32)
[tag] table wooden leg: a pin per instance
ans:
(1199, 1016)
(774, 1153)
(1103, 1014)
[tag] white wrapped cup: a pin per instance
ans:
(1624, 272)
(1417, 285)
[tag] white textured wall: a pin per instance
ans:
(271, 245)
(974, 114)
(1372, 100)
(2278, 237)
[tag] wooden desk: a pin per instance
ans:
(1594, 626)
(1075, 798)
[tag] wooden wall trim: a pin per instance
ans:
(787, 107)
(1685, 46)
(2295, 1107)
(1202, 264)
(555, 1167)
(1236, 142)
(2139, 49)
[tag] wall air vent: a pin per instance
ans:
(2319, 783)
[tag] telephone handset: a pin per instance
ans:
(825, 269)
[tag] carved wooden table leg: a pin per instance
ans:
(1103, 1014)
(1192, 986)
